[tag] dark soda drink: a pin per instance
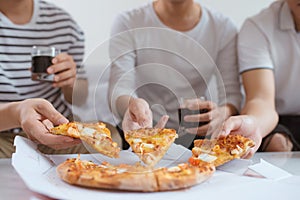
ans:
(41, 63)
(41, 59)
(39, 68)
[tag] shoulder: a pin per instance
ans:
(219, 26)
(265, 20)
(218, 19)
(47, 7)
(49, 10)
(49, 13)
(136, 17)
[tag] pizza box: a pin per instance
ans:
(38, 171)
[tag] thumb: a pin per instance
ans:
(231, 124)
(162, 122)
(47, 110)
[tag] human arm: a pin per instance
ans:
(35, 117)
(259, 83)
(68, 67)
(122, 68)
(228, 99)
(65, 71)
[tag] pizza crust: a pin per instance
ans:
(132, 178)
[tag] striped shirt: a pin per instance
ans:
(49, 26)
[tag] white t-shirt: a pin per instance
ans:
(49, 26)
(161, 65)
(269, 40)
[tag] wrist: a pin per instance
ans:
(230, 110)
(14, 113)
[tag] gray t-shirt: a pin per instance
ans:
(161, 65)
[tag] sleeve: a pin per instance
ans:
(253, 48)
(123, 60)
(227, 65)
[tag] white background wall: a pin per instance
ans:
(95, 18)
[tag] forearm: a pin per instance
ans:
(265, 114)
(77, 94)
(9, 117)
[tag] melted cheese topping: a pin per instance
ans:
(148, 146)
(236, 151)
(207, 158)
(88, 131)
(136, 140)
(174, 169)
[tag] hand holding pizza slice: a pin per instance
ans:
(221, 150)
(94, 134)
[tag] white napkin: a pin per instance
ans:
(269, 171)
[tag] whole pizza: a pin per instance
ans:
(133, 177)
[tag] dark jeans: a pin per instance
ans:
(290, 126)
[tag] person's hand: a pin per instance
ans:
(64, 69)
(244, 125)
(139, 115)
(210, 114)
(36, 117)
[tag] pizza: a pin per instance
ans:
(132, 177)
(150, 144)
(221, 150)
(94, 134)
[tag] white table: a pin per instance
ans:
(12, 186)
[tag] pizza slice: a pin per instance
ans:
(221, 150)
(94, 134)
(150, 144)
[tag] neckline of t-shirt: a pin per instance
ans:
(195, 29)
(32, 20)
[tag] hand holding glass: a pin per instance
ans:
(183, 111)
(41, 59)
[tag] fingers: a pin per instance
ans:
(64, 69)
(128, 123)
(47, 110)
(198, 104)
(249, 154)
(205, 117)
(201, 131)
(231, 124)
(48, 124)
(140, 112)
(64, 75)
(162, 121)
(61, 62)
(38, 132)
